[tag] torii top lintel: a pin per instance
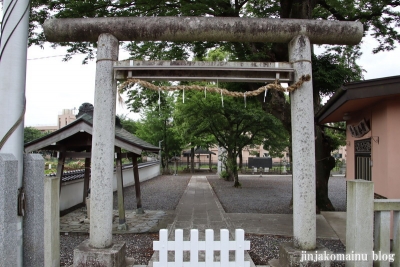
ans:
(203, 29)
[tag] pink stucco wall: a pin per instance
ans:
(384, 119)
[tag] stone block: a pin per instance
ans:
(290, 256)
(360, 212)
(8, 210)
(114, 256)
(33, 236)
(51, 221)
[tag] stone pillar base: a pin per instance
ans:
(140, 211)
(85, 255)
(290, 256)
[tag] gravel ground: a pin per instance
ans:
(138, 246)
(264, 248)
(257, 195)
(268, 194)
(160, 193)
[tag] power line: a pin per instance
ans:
(37, 58)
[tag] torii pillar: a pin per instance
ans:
(100, 248)
(303, 147)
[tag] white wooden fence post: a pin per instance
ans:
(163, 247)
(209, 247)
(224, 244)
(179, 247)
(239, 255)
(194, 247)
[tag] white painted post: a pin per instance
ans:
(239, 253)
(209, 247)
(162, 247)
(101, 202)
(360, 220)
(382, 236)
(13, 49)
(194, 248)
(224, 233)
(303, 146)
(52, 221)
(178, 247)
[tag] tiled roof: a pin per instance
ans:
(124, 134)
(120, 134)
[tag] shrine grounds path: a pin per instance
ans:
(265, 200)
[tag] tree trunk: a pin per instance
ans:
(232, 169)
(192, 160)
(324, 164)
(302, 9)
(240, 160)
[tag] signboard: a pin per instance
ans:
(359, 130)
(260, 162)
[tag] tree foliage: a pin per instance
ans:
(31, 134)
(232, 122)
(157, 125)
(380, 19)
(127, 123)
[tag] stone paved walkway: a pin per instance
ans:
(199, 208)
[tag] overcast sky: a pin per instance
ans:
(53, 85)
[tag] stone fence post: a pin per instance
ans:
(52, 221)
(8, 210)
(360, 221)
(33, 237)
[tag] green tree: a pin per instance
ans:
(127, 123)
(31, 134)
(233, 123)
(380, 19)
(157, 125)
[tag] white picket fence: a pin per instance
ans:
(239, 245)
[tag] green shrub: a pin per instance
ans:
(224, 175)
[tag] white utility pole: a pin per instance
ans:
(13, 51)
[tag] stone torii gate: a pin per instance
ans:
(300, 34)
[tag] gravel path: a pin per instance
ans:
(160, 193)
(257, 195)
(138, 246)
(264, 248)
(268, 194)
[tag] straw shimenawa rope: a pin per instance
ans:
(131, 82)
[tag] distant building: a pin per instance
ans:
(340, 153)
(65, 117)
(46, 129)
(247, 152)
